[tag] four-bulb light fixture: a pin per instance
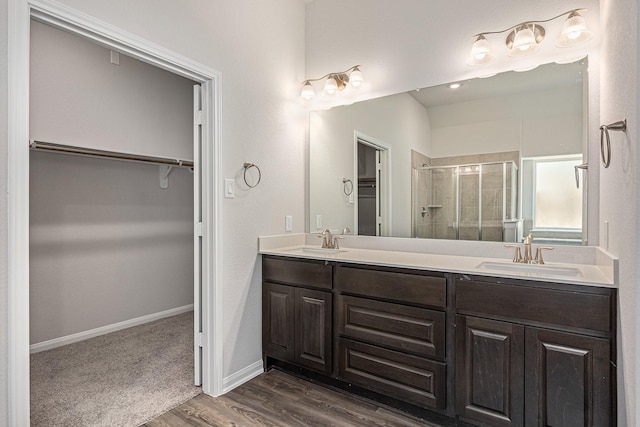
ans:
(334, 82)
(524, 39)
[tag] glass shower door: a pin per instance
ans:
(493, 201)
(469, 202)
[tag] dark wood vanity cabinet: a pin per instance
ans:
(489, 351)
(534, 354)
(391, 332)
(297, 312)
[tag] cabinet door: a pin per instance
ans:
(313, 329)
(489, 371)
(567, 379)
(278, 321)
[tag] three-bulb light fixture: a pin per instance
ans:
(334, 83)
(525, 38)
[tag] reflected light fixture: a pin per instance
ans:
(524, 39)
(334, 82)
(480, 51)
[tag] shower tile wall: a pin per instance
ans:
(436, 205)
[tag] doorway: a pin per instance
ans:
(207, 168)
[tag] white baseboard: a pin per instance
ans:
(80, 336)
(242, 376)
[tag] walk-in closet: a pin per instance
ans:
(111, 234)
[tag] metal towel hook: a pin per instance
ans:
(347, 186)
(577, 168)
(604, 132)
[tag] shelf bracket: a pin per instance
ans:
(165, 171)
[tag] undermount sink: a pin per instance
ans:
(317, 251)
(533, 269)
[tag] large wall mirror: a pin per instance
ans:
(492, 159)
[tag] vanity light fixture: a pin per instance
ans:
(334, 82)
(524, 39)
(574, 31)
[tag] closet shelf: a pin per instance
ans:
(68, 149)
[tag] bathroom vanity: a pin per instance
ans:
(468, 342)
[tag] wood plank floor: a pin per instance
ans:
(277, 399)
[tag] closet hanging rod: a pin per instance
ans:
(68, 149)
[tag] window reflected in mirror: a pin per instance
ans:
(554, 213)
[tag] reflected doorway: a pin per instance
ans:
(372, 198)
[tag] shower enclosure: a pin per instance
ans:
(466, 202)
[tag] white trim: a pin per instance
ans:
(18, 213)
(103, 330)
(242, 376)
(64, 17)
(58, 15)
(386, 194)
(212, 239)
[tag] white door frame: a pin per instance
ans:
(19, 14)
(385, 186)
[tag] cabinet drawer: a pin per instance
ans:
(411, 329)
(536, 304)
(413, 379)
(309, 273)
(392, 285)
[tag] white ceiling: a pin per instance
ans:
(545, 77)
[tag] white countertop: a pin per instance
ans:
(600, 273)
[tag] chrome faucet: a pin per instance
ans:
(527, 249)
(528, 258)
(329, 241)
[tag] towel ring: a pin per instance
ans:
(248, 166)
(604, 133)
(347, 186)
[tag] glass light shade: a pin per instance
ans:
(524, 43)
(524, 39)
(331, 86)
(356, 78)
(480, 52)
(574, 31)
(307, 91)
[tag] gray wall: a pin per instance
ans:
(107, 244)
(79, 98)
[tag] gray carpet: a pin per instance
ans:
(120, 379)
